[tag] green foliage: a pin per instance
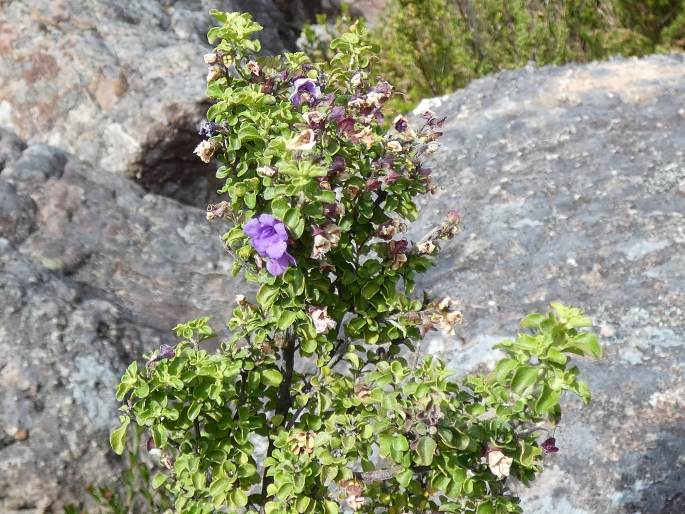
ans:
(320, 367)
(133, 490)
(432, 47)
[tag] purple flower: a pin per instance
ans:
(401, 123)
(208, 129)
(337, 114)
(338, 165)
(372, 184)
(383, 88)
(165, 352)
(346, 126)
(391, 177)
(549, 445)
(385, 163)
(305, 90)
(269, 237)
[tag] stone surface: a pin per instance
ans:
(120, 84)
(93, 272)
(569, 182)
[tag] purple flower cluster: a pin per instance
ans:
(270, 238)
(306, 90)
(208, 129)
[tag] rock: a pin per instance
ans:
(94, 271)
(568, 182)
(121, 84)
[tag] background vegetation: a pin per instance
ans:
(433, 47)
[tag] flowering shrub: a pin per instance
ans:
(315, 402)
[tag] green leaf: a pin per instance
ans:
(271, 377)
(286, 319)
(524, 377)
(533, 320)
(328, 474)
(194, 410)
(308, 346)
(588, 344)
(404, 477)
(504, 368)
(425, 450)
(370, 289)
(330, 507)
(158, 480)
(219, 486)
(292, 218)
(117, 439)
(238, 497)
(485, 508)
(267, 295)
(548, 398)
(159, 434)
(279, 207)
(302, 503)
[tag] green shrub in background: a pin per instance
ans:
(432, 47)
(321, 369)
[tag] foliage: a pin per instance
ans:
(432, 47)
(320, 367)
(132, 490)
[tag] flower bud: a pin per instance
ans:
(253, 68)
(426, 248)
(365, 136)
(219, 210)
(313, 118)
(498, 463)
(357, 78)
(398, 261)
(206, 150)
(302, 442)
(431, 148)
(214, 73)
(453, 216)
(353, 190)
(210, 58)
(333, 210)
(267, 171)
(304, 141)
(549, 445)
(322, 321)
(394, 146)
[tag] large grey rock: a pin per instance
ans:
(93, 272)
(571, 182)
(120, 84)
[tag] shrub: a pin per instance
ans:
(317, 399)
(432, 47)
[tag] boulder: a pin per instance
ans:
(121, 84)
(94, 271)
(571, 184)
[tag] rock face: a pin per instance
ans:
(93, 271)
(571, 182)
(120, 84)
